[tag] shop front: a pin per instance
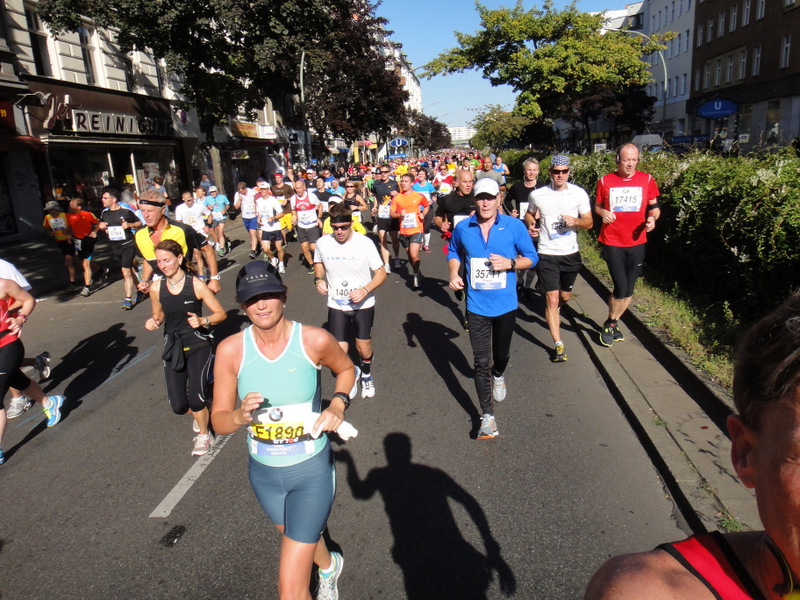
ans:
(97, 138)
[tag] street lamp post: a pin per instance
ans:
(306, 143)
(664, 91)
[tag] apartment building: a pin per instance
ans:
(746, 73)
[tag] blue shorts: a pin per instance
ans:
(250, 224)
(299, 497)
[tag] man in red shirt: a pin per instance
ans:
(84, 226)
(627, 201)
(410, 207)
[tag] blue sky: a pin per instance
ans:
(426, 29)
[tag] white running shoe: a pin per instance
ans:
(499, 388)
(18, 406)
(202, 444)
(367, 386)
(387, 268)
(326, 588)
(195, 426)
(488, 428)
(41, 363)
(281, 268)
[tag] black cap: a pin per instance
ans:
(257, 278)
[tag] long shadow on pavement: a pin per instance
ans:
(435, 340)
(436, 560)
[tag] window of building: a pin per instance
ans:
(756, 60)
(680, 7)
(729, 71)
(746, 13)
(678, 45)
(699, 34)
(734, 12)
(772, 128)
(788, 3)
(39, 48)
(710, 30)
(718, 72)
(786, 48)
(706, 76)
(654, 22)
(686, 41)
(688, 5)
(160, 77)
(672, 11)
(742, 64)
(721, 24)
(760, 6)
(683, 84)
(87, 53)
(130, 78)
(697, 79)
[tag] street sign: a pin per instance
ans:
(398, 142)
(718, 108)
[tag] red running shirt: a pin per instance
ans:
(628, 200)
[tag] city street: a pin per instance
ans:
(110, 504)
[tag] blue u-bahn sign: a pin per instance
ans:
(717, 108)
(398, 142)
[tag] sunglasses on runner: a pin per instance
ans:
(341, 227)
(559, 171)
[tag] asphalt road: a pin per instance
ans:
(110, 504)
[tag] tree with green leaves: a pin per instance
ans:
(496, 127)
(552, 58)
(428, 133)
(233, 55)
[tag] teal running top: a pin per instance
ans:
(291, 387)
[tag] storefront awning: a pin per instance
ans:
(21, 143)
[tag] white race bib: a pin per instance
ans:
(558, 228)
(483, 277)
(217, 215)
(625, 199)
(409, 221)
(57, 223)
(523, 208)
(384, 211)
(458, 218)
(307, 217)
(77, 243)
(116, 233)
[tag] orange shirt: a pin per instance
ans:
(81, 223)
(412, 203)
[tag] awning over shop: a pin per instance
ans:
(21, 143)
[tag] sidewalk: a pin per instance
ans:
(679, 418)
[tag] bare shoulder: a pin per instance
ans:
(317, 338)
(654, 575)
(231, 346)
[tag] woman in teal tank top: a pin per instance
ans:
(272, 370)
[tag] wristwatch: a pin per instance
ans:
(513, 264)
(344, 398)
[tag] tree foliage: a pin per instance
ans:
(428, 133)
(234, 54)
(496, 127)
(552, 58)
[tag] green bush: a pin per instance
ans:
(729, 233)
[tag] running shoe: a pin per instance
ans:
(311, 270)
(274, 261)
(281, 268)
(104, 272)
(354, 389)
(202, 444)
(466, 323)
(488, 428)
(41, 362)
(195, 426)
(560, 355)
(607, 334)
(397, 263)
(253, 254)
(460, 295)
(53, 413)
(618, 335)
(85, 291)
(227, 246)
(426, 249)
(415, 284)
(2, 457)
(127, 304)
(326, 588)
(499, 388)
(387, 268)
(17, 406)
(139, 297)
(367, 386)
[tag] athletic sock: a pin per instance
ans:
(366, 364)
(330, 570)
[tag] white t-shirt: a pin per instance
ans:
(266, 208)
(555, 238)
(348, 267)
(246, 203)
(194, 216)
(9, 271)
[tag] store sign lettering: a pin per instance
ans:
(85, 121)
(94, 122)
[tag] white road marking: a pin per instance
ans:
(187, 481)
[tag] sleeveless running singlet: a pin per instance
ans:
(291, 387)
(6, 337)
(175, 306)
(710, 558)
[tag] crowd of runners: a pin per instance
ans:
(348, 228)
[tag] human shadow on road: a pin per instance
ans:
(436, 560)
(91, 362)
(435, 340)
(439, 291)
(537, 308)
